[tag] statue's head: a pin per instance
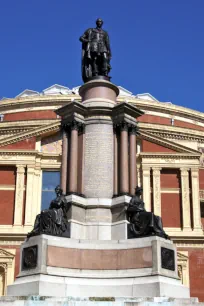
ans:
(99, 23)
(138, 190)
(58, 190)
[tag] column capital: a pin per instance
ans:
(30, 169)
(73, 125)
(194, 172)
(133, 130)
(20, 168)
(184, 171)
(156, 169)
(146, 167)
(123, 126)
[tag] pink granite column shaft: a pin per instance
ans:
(124, 165)
(73, 158)
(64, 161)
(133, 167)
(115, 172)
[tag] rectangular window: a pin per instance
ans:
(50, 179)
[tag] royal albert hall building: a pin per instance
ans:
(170, 167)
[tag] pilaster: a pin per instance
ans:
(29, 196)
(19, 195)
(156, 191)
(186, 217)
(146, 187)
(196, 199)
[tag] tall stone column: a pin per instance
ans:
(64, 161)
(19, 195)
(146, 187)
(73, 158)
(186, 217)
(196, 199)
(124, 163)
(29, 196)
(115, 172)
(156, 191)
(133, 167)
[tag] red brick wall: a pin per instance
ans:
(7, 175)
(170, 178)
(188, 125)
(154, 119)
(167, 121)
(27, 144)
(201, 179)
(171, 209)
(148, 146)
(7, 197)
(7, 200)
(46, 114)
(196, 272)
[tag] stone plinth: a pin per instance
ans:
(83, 268)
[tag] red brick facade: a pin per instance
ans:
(148, 146)
(46, 114)
(196, 271)
(27, 144)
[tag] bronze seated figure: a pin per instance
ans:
(142, 222)
(53, 221)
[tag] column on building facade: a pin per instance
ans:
(146, 187)
(29, 196)
(18, 212)
(156, 191)
(186, 213)
(115, 172)
(37, 193)
(64, 163)
(133, 167)
(196, 199)
(124, 163)
(73, 170)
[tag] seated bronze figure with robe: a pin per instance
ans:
(142, 222)
(53, 221)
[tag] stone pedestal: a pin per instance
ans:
(62, 267)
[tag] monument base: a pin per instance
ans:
(59, 286)
(144, 267)
(94, 301)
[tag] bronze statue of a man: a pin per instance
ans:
(96, 52)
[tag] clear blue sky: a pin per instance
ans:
(157, 45)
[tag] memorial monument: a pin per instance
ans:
(115, 247)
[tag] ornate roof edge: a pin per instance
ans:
(171, 131)
(167, 143)
(164, 107)
(35, 132)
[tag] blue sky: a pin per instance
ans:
(157, 45)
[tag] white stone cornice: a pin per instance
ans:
(170, 156)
